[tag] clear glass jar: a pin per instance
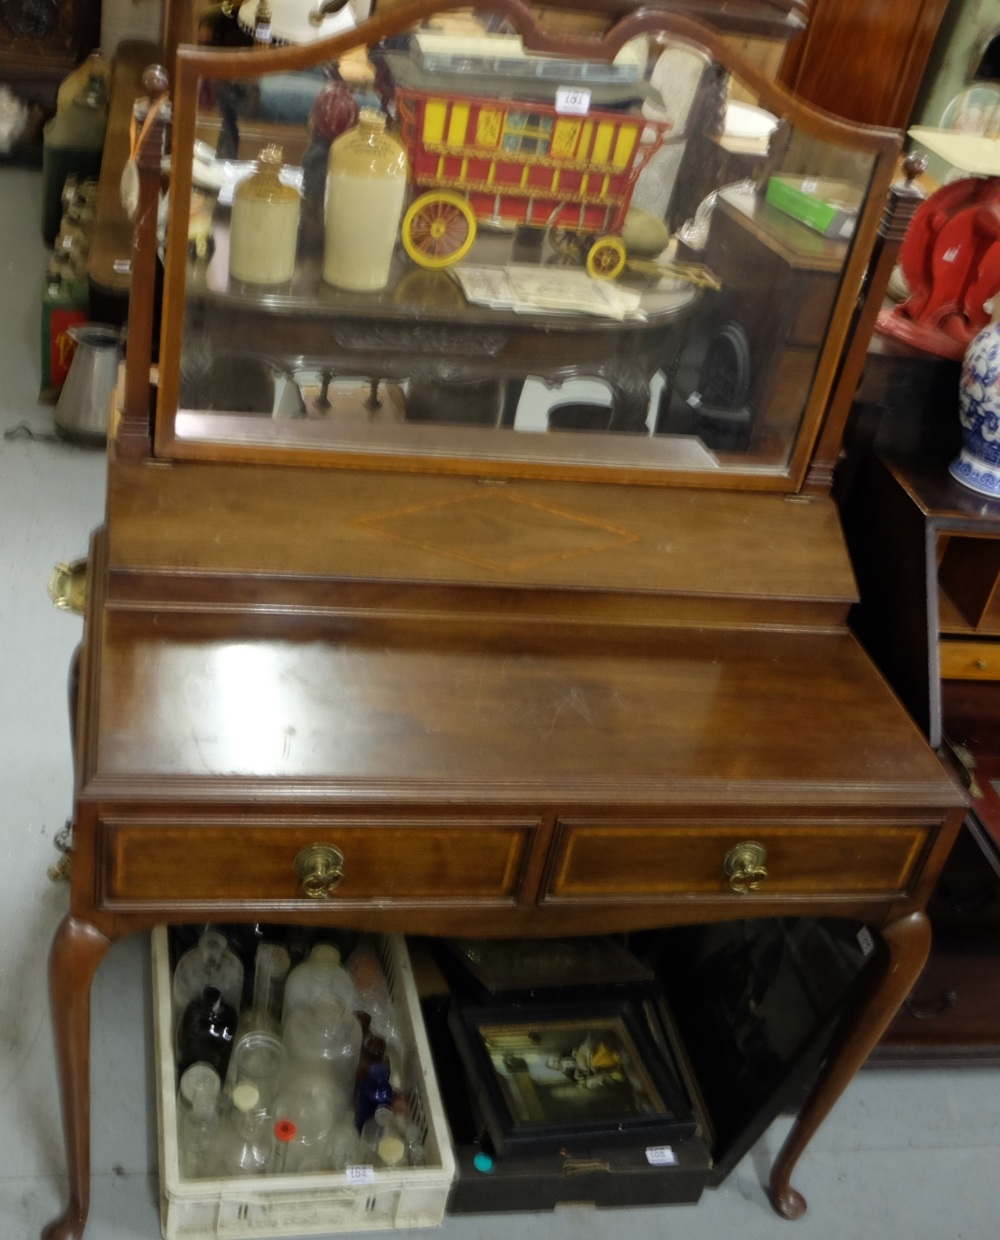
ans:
(308, 1113)
(258, 1059)
(320, 976)
(323, 1039)
(246, 1141)
(198, 1120)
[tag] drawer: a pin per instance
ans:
(382, 861)
(677, 861)
(970, 660)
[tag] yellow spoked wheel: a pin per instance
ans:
(433, 290)
(606, 258)
(438, 229)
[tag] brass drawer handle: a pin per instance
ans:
(931, 1011)
(320, 868)
(744, 866)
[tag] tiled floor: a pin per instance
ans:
(905, 1155)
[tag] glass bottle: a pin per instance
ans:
(416, 1153)
(208, 963)
(319, 976)
(384, 1134)
(271, 965)
(262, 34)
(284, 1135)
(258, 1059)
(206, 1031)
(264, 225)
(79, 78)
(198, 1120)
(375, 1092)
(391, 1151)
(72, 143)
(307, 1110)
(367, 179)
(371, 989)
(376, 1010)
(372, 1051)
(323, 1040)
(346, 1149)
(246, 1140)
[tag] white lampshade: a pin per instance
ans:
(290, 19)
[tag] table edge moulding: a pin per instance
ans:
(531, 702)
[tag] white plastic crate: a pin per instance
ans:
(360, 1199)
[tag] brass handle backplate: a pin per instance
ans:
(744, 866)
(68, 586)
(320, 868)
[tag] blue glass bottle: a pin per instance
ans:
(375, 1091)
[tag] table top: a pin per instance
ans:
(941, 498)
(398, 711)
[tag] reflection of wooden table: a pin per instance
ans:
(519, 709)
(752, 245)
(421, 327)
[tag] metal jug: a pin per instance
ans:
(85, 400)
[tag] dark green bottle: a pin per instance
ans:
(206, 1032)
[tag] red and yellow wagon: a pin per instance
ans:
(520, 162)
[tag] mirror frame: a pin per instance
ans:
(230, 440)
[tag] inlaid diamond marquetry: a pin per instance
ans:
(498, 531)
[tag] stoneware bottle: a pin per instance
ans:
(264, 228)
(366, 189)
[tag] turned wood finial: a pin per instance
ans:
(914, 165)
(155, 81)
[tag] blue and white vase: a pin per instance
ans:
(978, 464)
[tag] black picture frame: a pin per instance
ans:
(515, 970)
(542, 1075)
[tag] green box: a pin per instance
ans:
(830, 207)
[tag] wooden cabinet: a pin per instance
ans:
(864, 60)
(928, 556)
(353, 669)
(749, 243)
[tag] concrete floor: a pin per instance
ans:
(906, 1155)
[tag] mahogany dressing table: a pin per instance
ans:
(502, 682)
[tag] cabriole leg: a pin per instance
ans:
(908, 941)
(77, 950)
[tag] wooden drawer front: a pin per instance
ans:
(593, 859)
(382, 861)
(970, 660)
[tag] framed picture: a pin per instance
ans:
(505, 969)
(543, 1075)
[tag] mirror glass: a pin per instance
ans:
(446, 245)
